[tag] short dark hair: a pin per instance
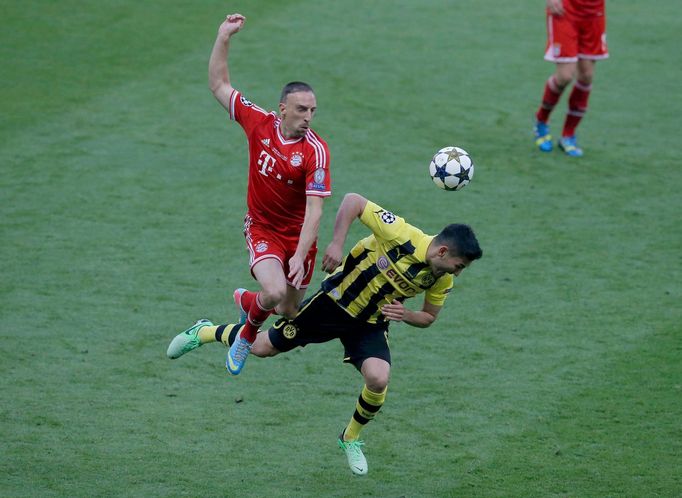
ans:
(293, 87)
(460, 240)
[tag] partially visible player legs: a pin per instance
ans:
(243, 299)
(292, 300)
(376, 374)
(554, 87)
(270, 276)
(577, 106)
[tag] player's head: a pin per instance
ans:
(453, 249)
(297, 106)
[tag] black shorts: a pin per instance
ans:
(320, 319)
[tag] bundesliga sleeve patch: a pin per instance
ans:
(387, 217)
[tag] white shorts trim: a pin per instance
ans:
(593, 57)
(550, 58)
(263, 258)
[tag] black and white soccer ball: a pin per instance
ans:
(451, 168)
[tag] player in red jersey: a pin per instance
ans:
(288, 181)
(576, 39)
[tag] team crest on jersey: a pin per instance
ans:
(261, 246)
(387, 217)
(296, 159)
(289, 331)
(428, 280)
(245, 101)
(382, 262)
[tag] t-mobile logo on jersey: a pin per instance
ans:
(266, 162)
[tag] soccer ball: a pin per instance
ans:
(451, 168)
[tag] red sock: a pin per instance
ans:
(257, 315)
(549, 99)
(247, 299)
(577, 106)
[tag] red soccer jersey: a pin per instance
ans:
(584, 8)
(282, 172)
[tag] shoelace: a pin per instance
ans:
(243, 349)
(354, 446)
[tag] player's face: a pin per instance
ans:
(297, 112)
(444, 263)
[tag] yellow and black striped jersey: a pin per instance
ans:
(389, 264)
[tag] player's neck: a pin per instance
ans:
(289, 135)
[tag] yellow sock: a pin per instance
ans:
(207, 334)
(226, 333)
(366, 408)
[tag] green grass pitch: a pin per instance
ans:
(555, 369)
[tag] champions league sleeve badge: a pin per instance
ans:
(318, 180)
(387, 217)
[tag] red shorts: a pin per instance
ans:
(263, 243)
(570, 38)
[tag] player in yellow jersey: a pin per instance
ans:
(358, 300)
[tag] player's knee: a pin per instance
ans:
(585, 71)
(287, 310)
(263, 348)
(585, 78)
(377, 381)
(272, 295)
(564, 76)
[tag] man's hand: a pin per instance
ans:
(231, 24)
(296, 271)
(332, 258)
(394, 311)
(555, 7)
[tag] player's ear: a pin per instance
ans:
(282, 107)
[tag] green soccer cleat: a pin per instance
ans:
(187, 341)
(356, 459)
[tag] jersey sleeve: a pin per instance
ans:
(244, 112)
(438, 292)
(383, 224)
(318, 181)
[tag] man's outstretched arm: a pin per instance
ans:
(218, 72)
(351, 208)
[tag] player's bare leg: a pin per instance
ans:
(376, 373)
(270, 276)
(577, 107)
(288, 307)
(554, 87)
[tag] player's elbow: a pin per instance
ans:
(355, 202)
(428, 319)
(216, 88)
